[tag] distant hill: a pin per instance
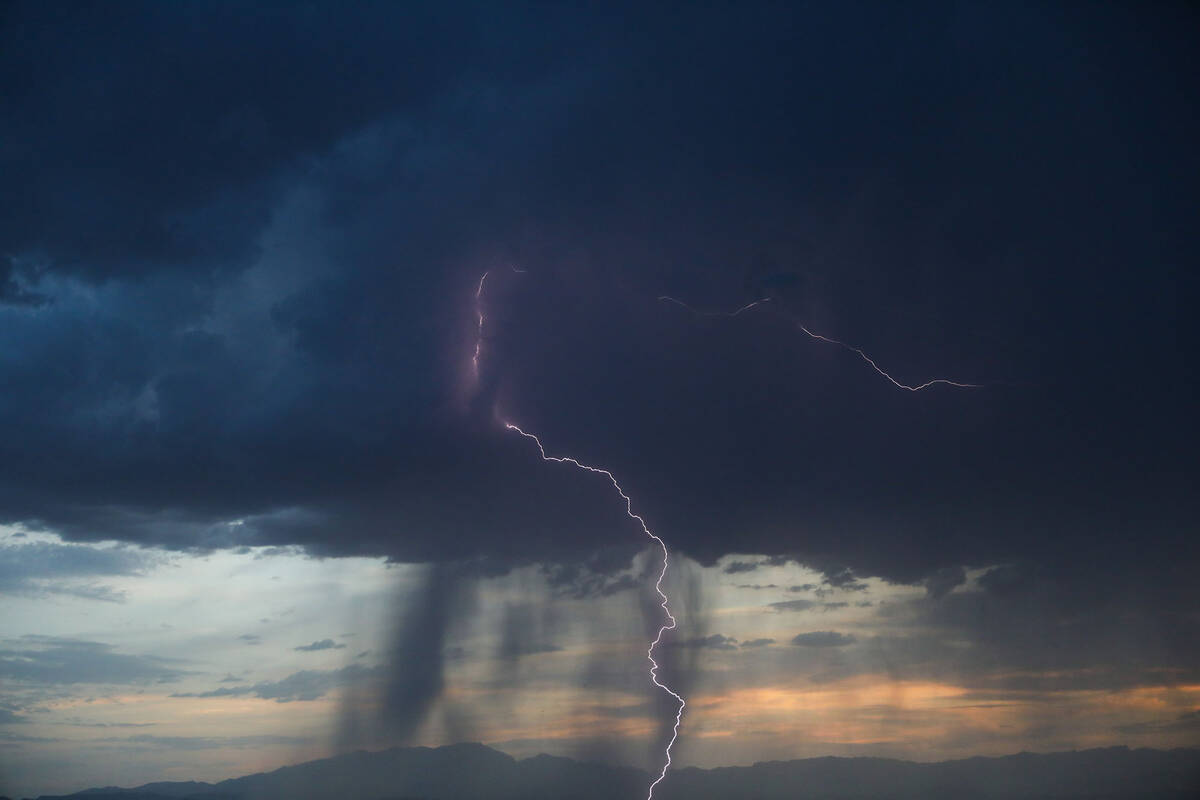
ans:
(476, 772)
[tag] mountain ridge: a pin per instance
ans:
(473, 771)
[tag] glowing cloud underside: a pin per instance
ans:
(671, 623)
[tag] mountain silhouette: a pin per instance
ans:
(477, 772)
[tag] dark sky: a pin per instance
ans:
(239, 248)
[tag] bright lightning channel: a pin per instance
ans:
(671, 623)
(819, 337)
(479, 328)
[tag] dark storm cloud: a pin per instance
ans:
(601, 574)
(158, 377)
(12, 292)
(169, 153)
(48, 660)
(942, 582)
(844, 579)
(734, 567)
(236, 290)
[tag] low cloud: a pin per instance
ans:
(324, 644)
(758, 643)
(51, 660)
(735, 567)
(44, 568)
(714, 642)
(600, 575)
(16, 737)
(823, 639)
(209, 742)
(793, 605)
(807, 605)
(1189, 722)
(299, 686)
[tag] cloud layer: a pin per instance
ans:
(238, 287)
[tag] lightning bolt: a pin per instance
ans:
(670, 625)
(671, 622)
(821, 338)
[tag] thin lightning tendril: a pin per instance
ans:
(671, 623)
(827, 339)
(698, 313)
(875, 366)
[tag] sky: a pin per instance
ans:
(258, 504)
